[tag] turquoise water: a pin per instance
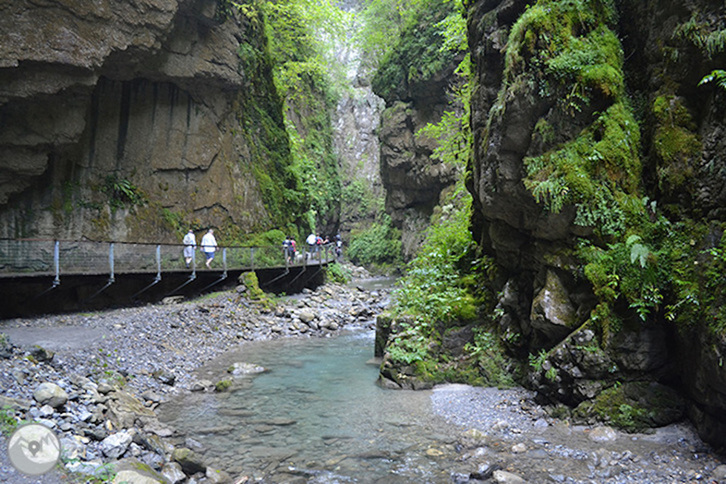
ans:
(316, 413)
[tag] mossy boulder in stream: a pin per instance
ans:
(633, 406)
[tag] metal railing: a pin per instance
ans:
(66, 257)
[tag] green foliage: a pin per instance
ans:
(489, 360)
(337, 273)
(434, 286)
(676, 143)
(380, 244)
(536, 361)
(302, 37)
(599, 172)
(223, 385)
(566, 47)
(249, 279)
(699, 31)
(8, 422)
(717, 77)
(410, 345)
(419, 51)
(122, 192)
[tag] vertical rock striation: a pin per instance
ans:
(109, 108)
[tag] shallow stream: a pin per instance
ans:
(316, 412)
(316, 415)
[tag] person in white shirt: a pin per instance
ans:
(209, 246)
(190, 244)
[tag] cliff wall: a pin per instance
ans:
(158, 109)
(598, 182)
(415, 81)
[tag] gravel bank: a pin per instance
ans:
(116, 366)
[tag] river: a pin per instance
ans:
(317, 415)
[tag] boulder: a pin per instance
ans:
(306, 316)
(241, 368)
(172, 472)
(133, 471)
(50, 394)
(216, 476)
(553, 316)
(124, 409)
(504, 477)
(40, 353)
(190, 462)
(116, 445)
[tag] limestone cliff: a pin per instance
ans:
(415, 82)
(160, 109)
(598, 181)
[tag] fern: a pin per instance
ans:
(717, 77)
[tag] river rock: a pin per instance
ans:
(133, 471)
(519, 448)
(241, 368)
(40, 353)
(190, 462)
(116, 445)
(46, 411)
(152, 396)
(201, 386)
(217, 476)
(603, 434)
(14, 403)
(124, 409)
(306, 316)
(504, 477)
(50, 394)
(73, 447)
(173, 473)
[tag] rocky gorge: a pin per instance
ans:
(98, 380)
(95, 379)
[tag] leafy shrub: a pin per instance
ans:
(337, 273)
(378, 245)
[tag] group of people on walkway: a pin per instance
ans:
(208, 247)
(315, 242)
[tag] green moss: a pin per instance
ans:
(418, 53)
(223, 385)
(676, 143)
(598, 171)
(249, 279)
(633, 406)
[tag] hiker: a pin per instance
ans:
(338, 246)
(288, 249)
(209, 246)
(312, 241)
(190, 245)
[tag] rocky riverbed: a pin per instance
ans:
(97, 380)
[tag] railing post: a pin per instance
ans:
(158, 262)
(56, 263)
(224, 261)
(194, 263)
(110, 262)
(252, 258)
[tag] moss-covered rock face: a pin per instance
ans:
(415, 81)
(136, 122)
(634, 406)
(598, 160)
